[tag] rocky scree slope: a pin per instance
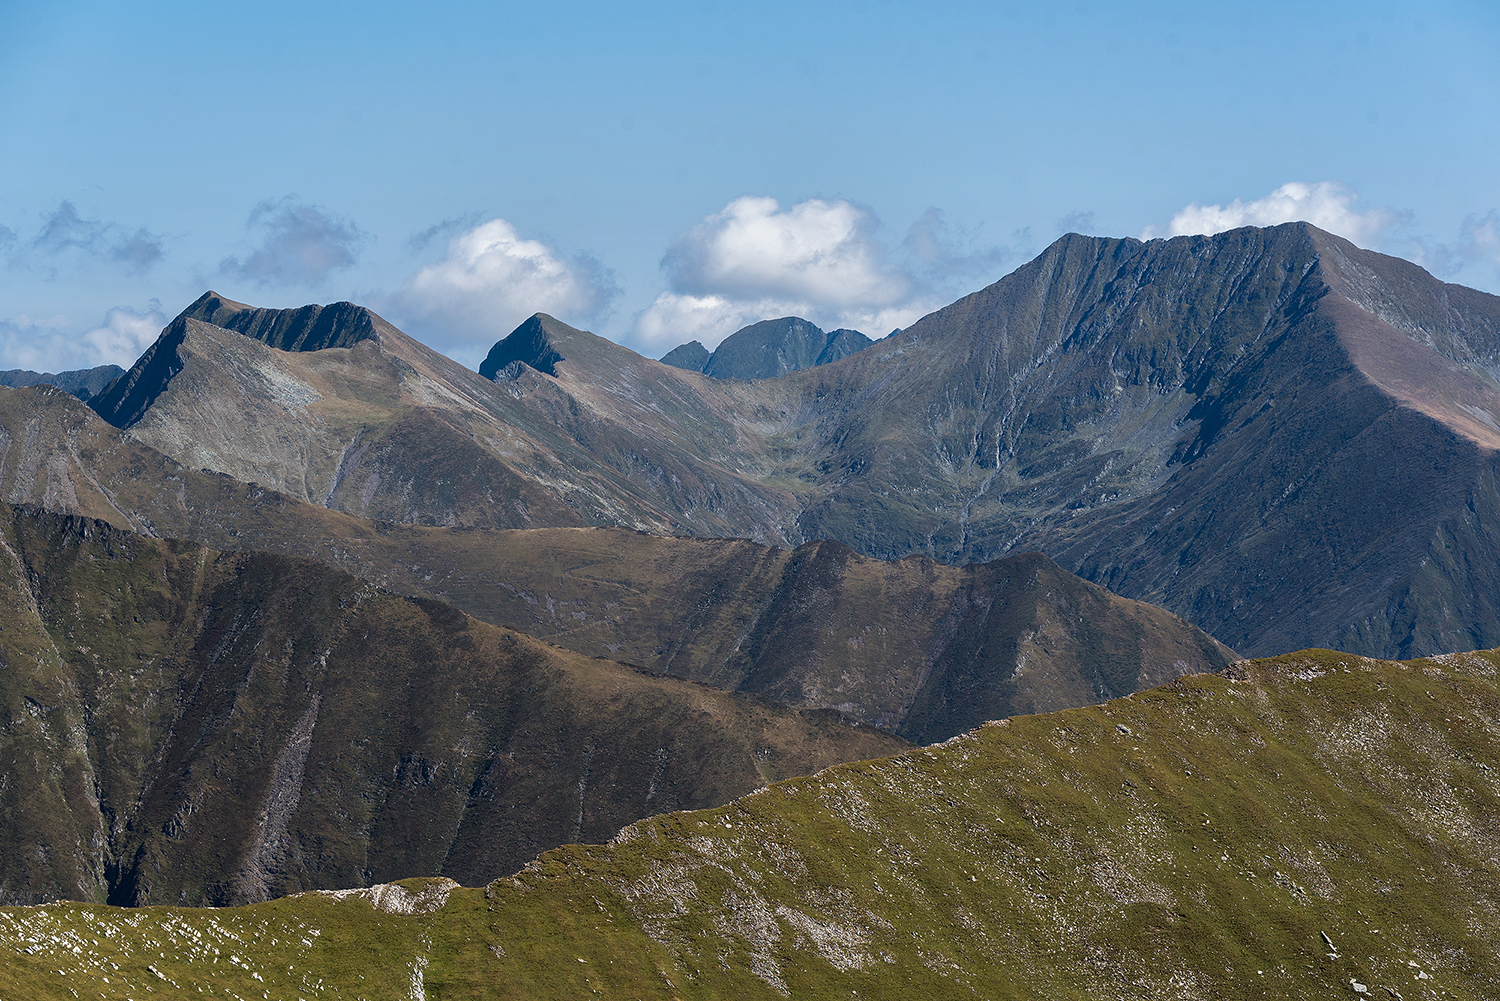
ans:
(1312, 826)
(192, 727)
(917, 647)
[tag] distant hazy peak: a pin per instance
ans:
(308, 328)
(767, 349)
(692, 356)
(83, 383)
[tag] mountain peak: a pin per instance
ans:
(533, 343)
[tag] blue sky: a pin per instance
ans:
(657, 172)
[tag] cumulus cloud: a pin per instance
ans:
(37, 345)
(819, 259)
(48, 346)
(125, 334)
(64, 230)
(816, 251)
(301, 244)
(493, 278)
(1326, 204)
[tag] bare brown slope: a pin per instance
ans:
(188, 726)
(816, 627)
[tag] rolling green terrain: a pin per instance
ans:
(1314, 826)
(195, 727)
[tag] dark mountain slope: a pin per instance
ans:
(915, 646)
(1202, 423)
(1311, 827)
(187, 726)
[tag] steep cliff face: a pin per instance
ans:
(187, 726)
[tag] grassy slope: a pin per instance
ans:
(1195, 841)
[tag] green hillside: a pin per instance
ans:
(1311, 826)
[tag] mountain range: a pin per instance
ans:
(301, 605)
(1210, 424)
(83, 383)
(196, 727)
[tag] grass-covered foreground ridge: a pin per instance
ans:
(1310, 826)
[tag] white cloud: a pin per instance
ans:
(37, 345)
(301, 244)
(1328, 205)
(125, 334)
(754, 261)
(491, 280)
(47, 346)
(817, 251)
